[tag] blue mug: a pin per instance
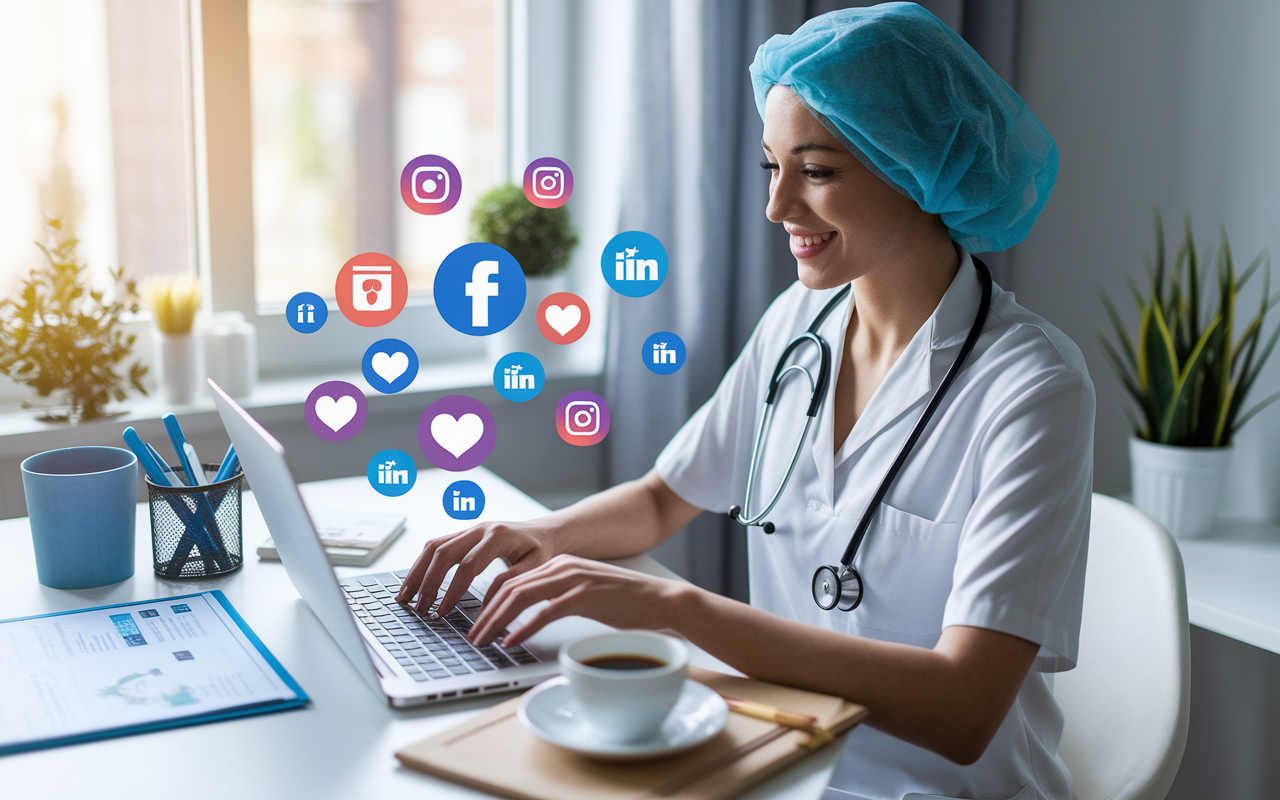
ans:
(82, 502)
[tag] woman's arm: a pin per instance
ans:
(628, 519)
(951, 699)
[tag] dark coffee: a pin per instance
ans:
(622, 661)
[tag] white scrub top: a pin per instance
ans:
(987, 524)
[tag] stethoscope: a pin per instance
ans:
(841, 586)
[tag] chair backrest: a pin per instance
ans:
(1126, 702)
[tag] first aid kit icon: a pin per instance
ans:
(371, 288)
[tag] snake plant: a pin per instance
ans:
(1186, 374)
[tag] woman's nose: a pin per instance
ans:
(783, 198)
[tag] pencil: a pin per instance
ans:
(818, 735)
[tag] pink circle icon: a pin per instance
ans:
(582, 418)
(548, 182)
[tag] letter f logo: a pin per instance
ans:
(479, 289)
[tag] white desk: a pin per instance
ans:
(341, 745)
(1233, 582)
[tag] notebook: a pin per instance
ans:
(350, 538)
(494, 753)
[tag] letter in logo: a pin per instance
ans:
(663, 352)
(306, 312)
(392, 473)
(480, 289)
(463, 500)
(634, 263)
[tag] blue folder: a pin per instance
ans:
(194, 719)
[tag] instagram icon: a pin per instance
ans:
(430, 184)
(548, 182)
(582, 418)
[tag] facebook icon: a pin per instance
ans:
(479, 289)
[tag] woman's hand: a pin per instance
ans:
(578, 586)
(523, 545)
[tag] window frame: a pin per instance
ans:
(223, 145)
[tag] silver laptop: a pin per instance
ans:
(409, 659)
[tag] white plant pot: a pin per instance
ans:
(179, 367)
(1179, 486)
(523, 336)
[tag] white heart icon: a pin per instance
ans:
(390, 366)
(336, 413)
(457, 435)
(563, 320)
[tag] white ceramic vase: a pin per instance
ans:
(523, 336)
(1179, 486)
(179, 367)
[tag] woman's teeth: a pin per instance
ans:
(809, 241)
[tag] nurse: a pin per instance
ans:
(893, 150)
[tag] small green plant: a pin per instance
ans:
(1183, 370)
(61, 335)
(541, 239)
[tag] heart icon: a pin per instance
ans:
(563, 320)
(390, 366)
(335, 413)
(457, 435)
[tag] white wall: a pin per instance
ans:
(1153, 104)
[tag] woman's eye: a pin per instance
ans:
(768, 165)
(819, 173)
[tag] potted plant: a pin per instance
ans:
(542, 240)
(1189, 378)
(60, 335)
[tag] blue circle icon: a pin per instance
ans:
(663, 352)
(390, 365)
(306, 312)
(463, 500)
(634, 263)
(518, 377)
(479, 289)
(392, 473)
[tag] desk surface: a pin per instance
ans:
(341, 745)
(1233, 582)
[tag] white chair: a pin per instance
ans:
(1126, 702)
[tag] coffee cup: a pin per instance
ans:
(82, 504)
(624, 684)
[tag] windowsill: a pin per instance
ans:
(22, 434)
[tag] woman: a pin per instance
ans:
(890, 145)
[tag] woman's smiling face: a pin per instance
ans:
(842, 219)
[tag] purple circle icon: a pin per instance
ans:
(457, 433)
(336, 411)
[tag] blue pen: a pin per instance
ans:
(204, 527)
(179, 445)
(187, 541)
(155, 470)
(229, 463)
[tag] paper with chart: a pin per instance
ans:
(99, 670)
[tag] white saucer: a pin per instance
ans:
(548, 712)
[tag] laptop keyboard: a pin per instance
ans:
(429, 648)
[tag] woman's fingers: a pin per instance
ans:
(565, 605)
(520, 593)
(412, 581)
(446, 555)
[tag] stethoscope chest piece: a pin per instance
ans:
(837, 587)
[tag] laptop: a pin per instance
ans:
(409, 659)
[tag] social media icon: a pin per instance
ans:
(479, 289)
(306, 312)
(463, 500)
(634, 263)
(563, 317)
(518, 377)
(336, 410)
(392, 472)
(582, 418)
(548, 182)
(456, 433)
(390, 365)
(371, 289)
(663, 352)
(430, 184)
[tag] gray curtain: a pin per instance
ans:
(693, 180)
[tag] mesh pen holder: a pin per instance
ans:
(196, 531)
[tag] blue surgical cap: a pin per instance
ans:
(915, 104)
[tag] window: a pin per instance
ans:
(344, 94)
(95, 102)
